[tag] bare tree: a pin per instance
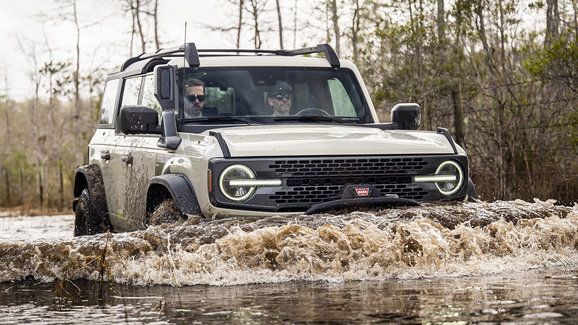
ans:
(240, 23)
(335, 21)
(552, 21)
(256, 10)
(280, 21)
(355, 30)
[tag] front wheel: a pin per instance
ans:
(166, 212)
(87, 221)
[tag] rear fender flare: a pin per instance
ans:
(89, 177)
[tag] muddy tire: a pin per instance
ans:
(166, 212)
(87, 220)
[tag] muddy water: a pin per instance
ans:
(501, 261)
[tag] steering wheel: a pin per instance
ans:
(312, 111)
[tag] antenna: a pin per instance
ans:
(185, 42)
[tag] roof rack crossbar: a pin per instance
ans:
(143, 56)
(192, 54)
(238, 51)
(326, 49)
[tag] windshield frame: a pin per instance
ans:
(365, 115)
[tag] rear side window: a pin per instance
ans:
(131, 91)
(108, 100)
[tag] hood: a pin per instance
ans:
(329, 140)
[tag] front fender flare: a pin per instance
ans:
(180, 190)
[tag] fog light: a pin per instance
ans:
(233, 191)
(454, 180)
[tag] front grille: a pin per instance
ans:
(346, 167)
(321, 180)
(307, 181)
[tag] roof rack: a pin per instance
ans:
(189, 50)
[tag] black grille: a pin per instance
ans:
(316, 181)
(347, 167)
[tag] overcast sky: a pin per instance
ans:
(105, 44)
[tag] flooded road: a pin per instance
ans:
(466, 262)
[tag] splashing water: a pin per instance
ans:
(430, 241)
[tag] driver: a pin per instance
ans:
(279, 98)
(195, 100)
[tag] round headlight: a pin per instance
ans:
(232, 173)
(450, 168)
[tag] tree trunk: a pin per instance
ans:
(240, 24)
(7, 182)
(335, 21)
(40, 186)
(61, 183)
(280, 24)
(552, 21)
(458, 115)
(76, 75)
(139, 24)
(256, 29)
(355, 25)
(295, 24)
(156, 24)
(441, 29)
(132, 32)
(21, 184)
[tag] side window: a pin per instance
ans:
(108, 99)
(148, 95)
(342, 104)
(130, 91)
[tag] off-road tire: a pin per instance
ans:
(166, 212)
(87, 220)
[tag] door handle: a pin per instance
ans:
(127, 159)
(105, 155)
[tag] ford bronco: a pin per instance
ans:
(253, 133)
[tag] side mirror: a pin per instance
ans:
(138, 119)
(406, 115)
(165, 89)
(165, 86)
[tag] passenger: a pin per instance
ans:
(279, 99)
(195, 100)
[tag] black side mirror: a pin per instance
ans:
(138, 119)
(165, 86)
(406, 115)
(165, 92)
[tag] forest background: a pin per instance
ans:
(502, 75)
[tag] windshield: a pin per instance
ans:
(275, 94)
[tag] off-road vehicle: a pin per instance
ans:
(324, 150)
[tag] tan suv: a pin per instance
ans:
(254, 133)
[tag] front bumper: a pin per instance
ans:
(310, 181)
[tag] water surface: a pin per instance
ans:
(474, 262)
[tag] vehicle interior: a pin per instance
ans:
(250, 92)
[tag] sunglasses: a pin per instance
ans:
(192, 98)
(282, 96)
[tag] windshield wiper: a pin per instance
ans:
(315, 118)
(211, 119)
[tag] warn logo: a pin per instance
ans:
(362, 191)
